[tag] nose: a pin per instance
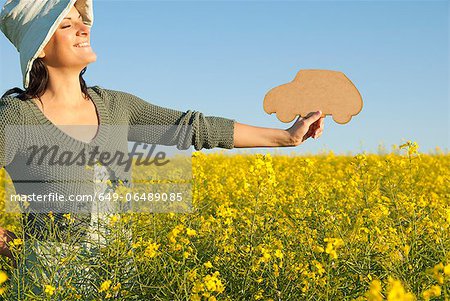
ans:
(83, 29)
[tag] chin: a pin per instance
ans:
(94, 59)
(89, 60)
(86, 58)
(87, 64)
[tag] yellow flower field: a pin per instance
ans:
(272, 227)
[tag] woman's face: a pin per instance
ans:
(64, 49)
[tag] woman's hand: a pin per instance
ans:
(253, 136)
(5, 238)
(304, 128)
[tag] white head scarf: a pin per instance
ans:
(29, 25)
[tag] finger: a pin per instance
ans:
(320, 123)
(317, 134)
(312, 128)
(307, 137)
(316, 126)
(308, 134)
(313, 117)
(308, 115)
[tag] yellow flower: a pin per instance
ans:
(278, 254)
(210, 284)
(113, 220)
(69, 218)
(50, 215)
(206, 294)
(332, 245)
(208, 264)
(198, 287)
(16, 242)
(371, 205)
(434, 291)
(319, 267)
(172, 236)
(437, 273)
(396, 292)
(411, 146)
(117, 287)
(318, 249)
(276, 270)
(195, 297)
(105, 286)
(406, 249)
(374, 293)
(192, 275)
(245, 248)
(3, 277)
(265, 255)
(447, 270)
(151, 250)
(191, 232)
(49, 290)
(213, 283)
(137, 244)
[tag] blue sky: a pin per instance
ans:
(222, 57)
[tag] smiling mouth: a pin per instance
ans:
(84, 44)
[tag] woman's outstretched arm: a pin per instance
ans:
(207, 131)
(252, 136)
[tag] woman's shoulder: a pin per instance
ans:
(12, 110)
(11, 102)
(102, 91)
(115, 98)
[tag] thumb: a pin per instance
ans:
(313, 117)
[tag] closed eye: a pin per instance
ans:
(84, 22)
(69, 18)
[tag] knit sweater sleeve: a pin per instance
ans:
(167, 126)
(10, 130)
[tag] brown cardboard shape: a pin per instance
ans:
(328, 91)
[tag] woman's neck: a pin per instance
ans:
(63, 89)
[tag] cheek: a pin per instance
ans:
(58, 45)
(64, 43)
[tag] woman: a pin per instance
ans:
(54, 59)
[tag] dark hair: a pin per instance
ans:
(38, 82)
